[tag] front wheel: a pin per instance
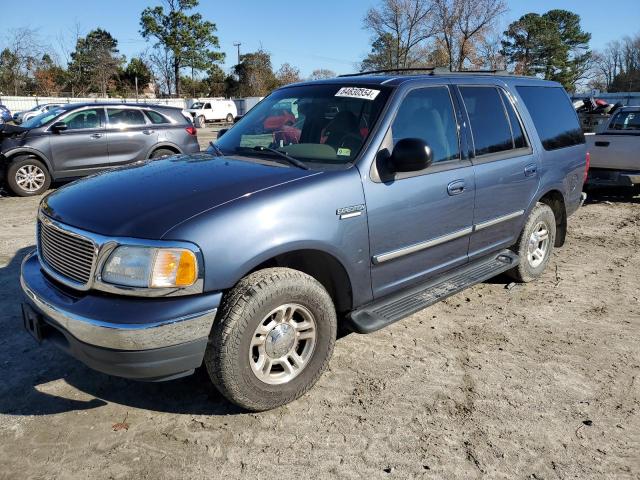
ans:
(28, 176)
(535, 244)
(201, 121)
(272, 340)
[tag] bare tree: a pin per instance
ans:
(287, 74)
(400, 27)
(161, 62)
(462, 24)
(23, 49)
(321, 74)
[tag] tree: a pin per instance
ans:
(188, 39)
(287, 74)
(322, 74)
(18, 60)
(553, 45)
(398, 28)
(461, 26)
(49, 77)
(95, 62)
(255, 75)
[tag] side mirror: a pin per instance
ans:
(410, 155)
(221, 132)
(59, 127)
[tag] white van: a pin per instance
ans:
(212, 109)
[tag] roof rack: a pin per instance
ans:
(428, 70)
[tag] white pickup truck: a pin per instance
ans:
(615, 152)
(213, 109)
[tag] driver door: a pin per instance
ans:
(82, 147)
(420, 222)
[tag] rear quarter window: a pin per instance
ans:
(553, 116)
(156, 118)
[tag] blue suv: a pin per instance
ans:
(381, 194)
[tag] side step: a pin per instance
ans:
(394, 307)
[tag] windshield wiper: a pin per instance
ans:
(219, 153)
(286, 156)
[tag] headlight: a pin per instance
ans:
(151, 267)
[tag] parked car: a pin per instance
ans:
(248, 258)
(213, 110)
(20, 117)
(5, 114)
(615, 152)
(76, 140)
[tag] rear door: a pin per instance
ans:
(130, 134)
(420, 222)
(506, 167)
(83, 145)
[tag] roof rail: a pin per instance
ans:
(427, 70)
(389, 70)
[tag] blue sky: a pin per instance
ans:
(308, 34)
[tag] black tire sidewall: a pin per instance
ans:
(11, 176)
(201, 121)
(161, 152)
(230, 116)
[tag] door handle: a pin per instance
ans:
(147, 132)
(530, 170)
(456, 187)
(95, 135)
(602, 144)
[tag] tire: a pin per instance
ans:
(201, 121)
(233, 363)
(28, 176)
(162, 152)
(229, 118)
(532, 265)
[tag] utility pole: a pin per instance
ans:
(136, 89)
(237, 44)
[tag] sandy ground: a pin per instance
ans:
(538, 381)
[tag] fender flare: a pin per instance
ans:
(158, 145)
(28, 151)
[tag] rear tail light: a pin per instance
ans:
(586, 167)
(191, 130)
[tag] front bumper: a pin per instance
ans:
(141, 338)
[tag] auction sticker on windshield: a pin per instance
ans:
(357, 92)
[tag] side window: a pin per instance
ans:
(628, 120)
(516, 127)
(90, 118)
(125, 117)
(207, 106)
(553, 115)
(427, 113)
(489, 123)
(156, 118)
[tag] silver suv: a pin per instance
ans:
(76, 140)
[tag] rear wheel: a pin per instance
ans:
(229, 118)
(27, 176)
(535, 245)
(162, 152)
(272, 340)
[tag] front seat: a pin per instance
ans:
(343, 131)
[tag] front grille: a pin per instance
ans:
(66, 253)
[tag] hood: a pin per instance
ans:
(146, 199)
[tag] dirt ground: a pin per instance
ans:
(537, 381)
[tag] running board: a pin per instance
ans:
(394, 307)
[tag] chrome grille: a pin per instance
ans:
(66, 253)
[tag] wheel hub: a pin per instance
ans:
(280, 340)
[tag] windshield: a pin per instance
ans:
(43, 118)
(319, 125)
(197, 105)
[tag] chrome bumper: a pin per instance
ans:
(111, 334)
